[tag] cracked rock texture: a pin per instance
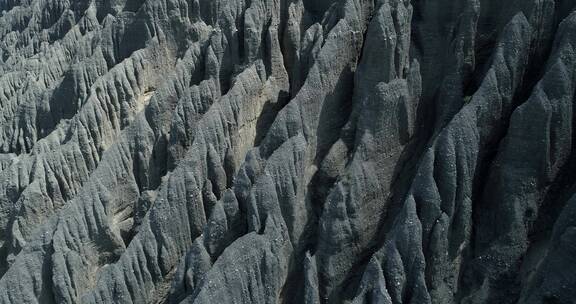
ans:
(288, 151)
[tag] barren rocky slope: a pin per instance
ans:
(287, 151)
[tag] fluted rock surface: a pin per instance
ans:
(287, 151)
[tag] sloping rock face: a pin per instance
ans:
(287, 151)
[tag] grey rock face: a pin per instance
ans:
(287, 151)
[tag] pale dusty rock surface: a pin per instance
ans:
(287, 151)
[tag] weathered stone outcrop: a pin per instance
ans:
(287, 151)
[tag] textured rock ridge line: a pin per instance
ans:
(287, 151)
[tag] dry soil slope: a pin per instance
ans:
(287, 151)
